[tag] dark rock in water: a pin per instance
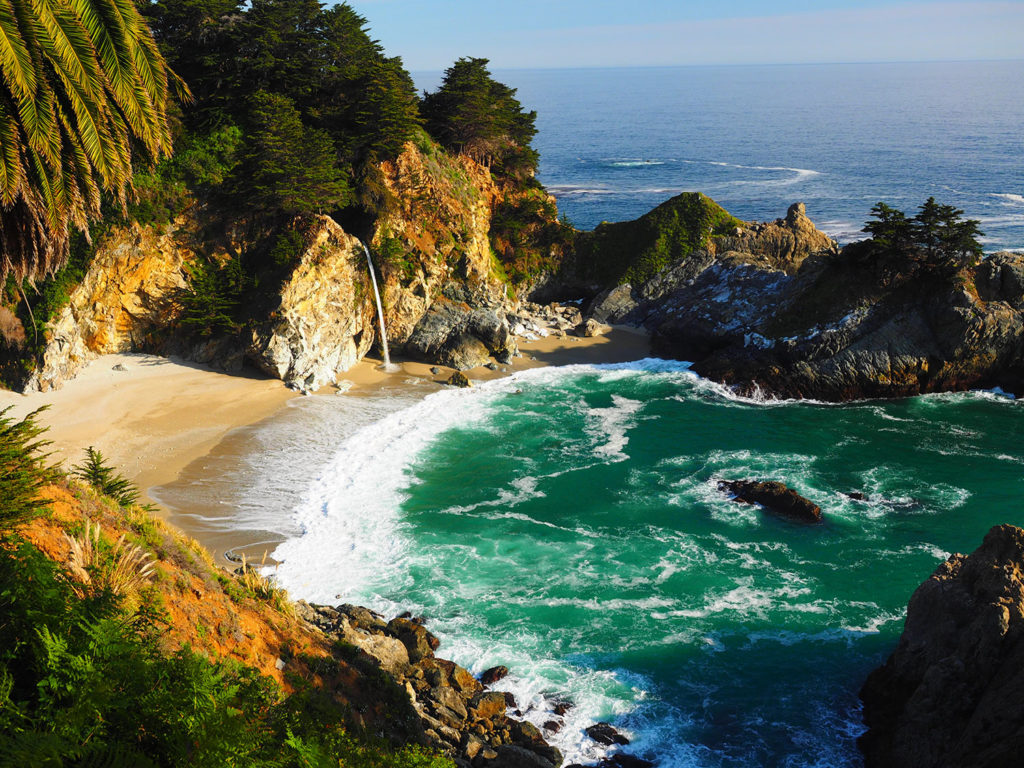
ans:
(562, 707)
(605, 733)
(774, 497)
(625, 761)
(510, 701)
(494, 674)
(552, 726)
(458, 379)
(952, 693)
(856, 496)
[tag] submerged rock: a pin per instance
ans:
(775, 497)
(494, 674)
(952, 693)
(605, 733)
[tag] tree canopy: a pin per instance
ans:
(936, 236)
(82, 85)
(474, 114)
(307, 79)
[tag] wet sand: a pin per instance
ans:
(177, 429)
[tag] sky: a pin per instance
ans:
(431, 34)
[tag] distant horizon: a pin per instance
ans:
(1018, 59)
(588, 34)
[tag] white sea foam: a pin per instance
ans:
(609, 426)
(635, 163)
(1009, 198)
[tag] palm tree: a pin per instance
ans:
(81, 83)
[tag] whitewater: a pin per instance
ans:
(566, 522)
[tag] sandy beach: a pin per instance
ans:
(168, 424)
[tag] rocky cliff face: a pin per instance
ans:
(126, 301)
(443, 300)
(325, 321)
(952, 694)
(777, 309)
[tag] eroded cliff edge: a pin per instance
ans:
(952, 694)
(779, 309)
(445, 297)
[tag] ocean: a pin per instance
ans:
(566, 522)
(840, 138)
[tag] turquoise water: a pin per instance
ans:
(567, 523)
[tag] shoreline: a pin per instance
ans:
(170, 426)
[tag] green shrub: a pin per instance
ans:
(101, 476)
(23, 470)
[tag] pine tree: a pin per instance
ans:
(288, 168)
(474, 114)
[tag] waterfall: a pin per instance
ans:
(380, 309)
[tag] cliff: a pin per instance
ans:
(444, 294)
(778, 309)
(951, 694)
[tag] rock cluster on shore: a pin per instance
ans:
(952, 694)
(459, 715)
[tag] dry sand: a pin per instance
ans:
(164, 422)
(151, 419)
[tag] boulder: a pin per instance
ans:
(420, 643)
(457, 335)
(952, 693)
(494, 674)
(458, 379)
(484, 706)
(590, 327)
(514, 756)
(774, 497)
(605, 733)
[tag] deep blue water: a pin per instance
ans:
(616, 142)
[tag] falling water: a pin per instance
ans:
(380, 309)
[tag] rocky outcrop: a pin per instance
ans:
(458, 715)
(776, 309)
(461, 336)
(952, 694)
(775, 498)
(126, 300)
(325, 321)
(433, 240)
(444, 302)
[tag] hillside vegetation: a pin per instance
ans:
(122, 645)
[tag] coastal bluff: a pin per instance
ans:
(952, 693)
(778, 309)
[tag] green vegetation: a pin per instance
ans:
(85, 679)
(936, 241)
(633, 251)
(474, 114)
(23, 472)
(82, 87)
(103, 477)
(527, 237)
(314, 100)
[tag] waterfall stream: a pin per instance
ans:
(380, 309)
